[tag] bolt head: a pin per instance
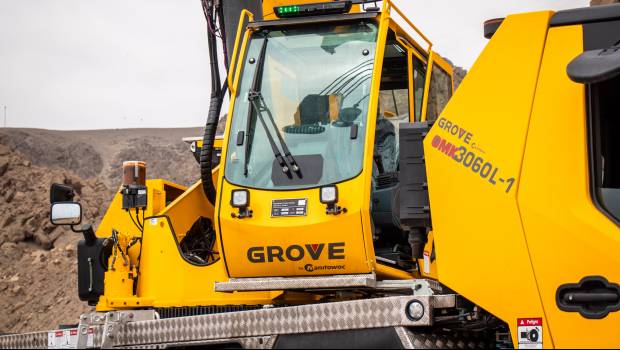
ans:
(415, 310)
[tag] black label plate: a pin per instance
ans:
(289, 207)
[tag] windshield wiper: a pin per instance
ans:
(258, 106)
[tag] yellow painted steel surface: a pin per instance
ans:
(568, 237)
(248, 242)
(314, 233)
(479, 238)
(352, 229)
(166, 278)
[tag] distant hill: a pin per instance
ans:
(38, 288)
(100, 153)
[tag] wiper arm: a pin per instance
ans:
(257, 105)
(249, 127)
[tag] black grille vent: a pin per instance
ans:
(173, 312)
(414, 200)
(386, 180)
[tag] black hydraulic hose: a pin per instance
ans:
(206, 152)
(222, 26)
(215, 106)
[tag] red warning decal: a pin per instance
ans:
(530, 333)
(530, 322)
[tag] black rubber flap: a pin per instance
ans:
(311, 172)
(595, 66)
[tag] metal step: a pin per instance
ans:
(297, 283)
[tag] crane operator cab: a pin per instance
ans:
(309, 185)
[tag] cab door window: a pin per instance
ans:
(419, 82)
(605, 145)
(393, 106)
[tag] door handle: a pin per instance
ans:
(585, 297)
(593, 297)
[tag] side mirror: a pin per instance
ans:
(61, 193)
(66, 213)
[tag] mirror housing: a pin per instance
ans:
(61, 193)
(66, 213)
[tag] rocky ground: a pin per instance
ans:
(38, 288)
(603, 2)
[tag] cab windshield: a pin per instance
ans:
(299, 118)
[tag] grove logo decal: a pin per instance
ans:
(465, 152)
(294, 253)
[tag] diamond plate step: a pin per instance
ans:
(296, 283)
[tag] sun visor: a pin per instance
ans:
(595, 66)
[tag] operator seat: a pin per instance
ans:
(314, 112)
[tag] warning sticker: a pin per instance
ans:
(68, 338)
(427, 263)
(530, 333)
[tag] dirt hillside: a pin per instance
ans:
(38, 288)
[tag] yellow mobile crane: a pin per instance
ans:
(344, 206)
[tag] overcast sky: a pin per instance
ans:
(92, 64)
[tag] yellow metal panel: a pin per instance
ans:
(234, 58)
(479, 238)
(317, 228)
(183, 215)
(354, 228)
(170, 280)
(384, 24)
(568, 237)
(411, 86)
(166, 279)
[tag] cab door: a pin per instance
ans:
(571, 228)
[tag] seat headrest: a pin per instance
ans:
(314, 109)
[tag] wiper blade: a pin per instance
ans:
(249, 128)
(257, 106)
(254, 97)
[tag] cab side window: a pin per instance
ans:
(393, 107)
(419, 81)
(439, 94)
(605, 145)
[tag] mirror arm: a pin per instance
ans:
(89, 234)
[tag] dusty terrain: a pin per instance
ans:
(38, 288)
